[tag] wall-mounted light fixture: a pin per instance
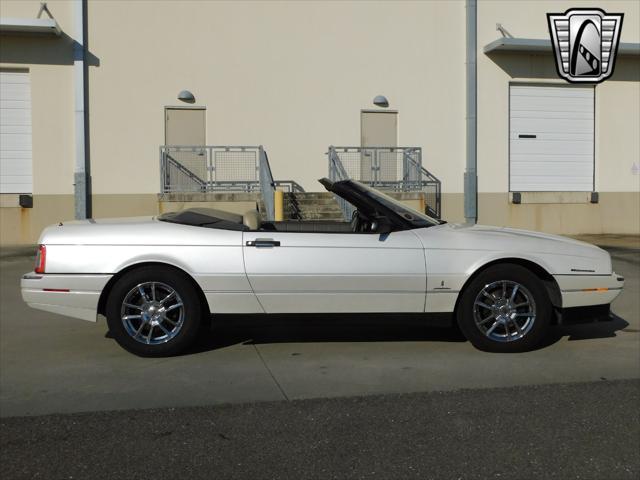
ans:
(186, 96)
(381, 101)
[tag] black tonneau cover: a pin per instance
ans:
(205, 217)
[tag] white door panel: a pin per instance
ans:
(335, 272)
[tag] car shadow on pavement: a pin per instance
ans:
(586, 331)
(228, 330)
(262, 329)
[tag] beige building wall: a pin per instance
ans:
(294, 76)
(290, 75)
(617, 116)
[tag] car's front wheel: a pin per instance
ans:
(505, 309)
(154, 311)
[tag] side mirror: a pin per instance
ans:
(384, 225)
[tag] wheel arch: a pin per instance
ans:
(104, 295)
(549, 283)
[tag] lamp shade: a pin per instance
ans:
(381, 101)
(186, 96)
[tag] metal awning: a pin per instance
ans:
(535, 45)
(29, 26)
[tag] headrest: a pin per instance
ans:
(251, 219)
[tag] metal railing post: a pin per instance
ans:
(163, 180)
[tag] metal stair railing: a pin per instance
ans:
(174, 173)
(210, 168)
(289, 186)
(220, 168)
(337, 172)
(418, 178)
(397, 169)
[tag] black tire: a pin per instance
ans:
(162, 278)
(504, 276)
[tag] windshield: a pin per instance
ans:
(414, 216)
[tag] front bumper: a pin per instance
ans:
(589, 290)
(70, 295)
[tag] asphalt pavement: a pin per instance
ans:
(576, 431)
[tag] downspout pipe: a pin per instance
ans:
(81, 170)
(470, 174)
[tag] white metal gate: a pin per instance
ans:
(551, 138)
(15, 133)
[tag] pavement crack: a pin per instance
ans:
(286, 397)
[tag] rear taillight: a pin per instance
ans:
(41, 259)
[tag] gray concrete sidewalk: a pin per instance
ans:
(611, 240)
(54, 364)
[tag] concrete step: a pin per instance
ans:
(309, 194)
(311, 199)
(315, 212)
(312, 206)
(325, 216)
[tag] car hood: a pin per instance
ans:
(558, 254)
(530, 237)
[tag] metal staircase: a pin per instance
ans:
(311, 206)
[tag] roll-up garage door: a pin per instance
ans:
(15, 132)
(551, 138)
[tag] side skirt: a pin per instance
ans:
(429, 319)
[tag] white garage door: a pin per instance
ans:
(551, 138)
(15, 133)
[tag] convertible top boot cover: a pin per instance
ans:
(205, 217)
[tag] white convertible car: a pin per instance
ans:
(157, 279)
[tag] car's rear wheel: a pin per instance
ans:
(505, 309)
(154, 311)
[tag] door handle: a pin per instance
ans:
(527, 135)
(263, 243)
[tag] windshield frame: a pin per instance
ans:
(416, 218)
(369, 200)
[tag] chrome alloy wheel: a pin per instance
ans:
(152, 313)
(504, 311)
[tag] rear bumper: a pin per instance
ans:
(70, 295)
(589, 290)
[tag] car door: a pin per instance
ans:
(336, 272)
